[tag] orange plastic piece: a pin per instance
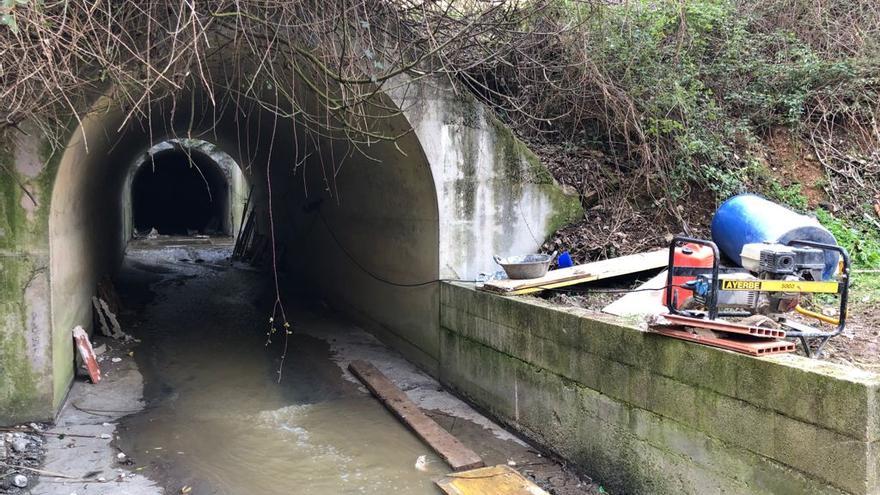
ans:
(726, 326)
(690, 260)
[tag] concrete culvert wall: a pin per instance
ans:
(370, 244)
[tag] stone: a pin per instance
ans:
(422, 463)
(19, 444)
(20, 481)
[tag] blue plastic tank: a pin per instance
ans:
(749, 218)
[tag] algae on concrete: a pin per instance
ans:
(648, 414)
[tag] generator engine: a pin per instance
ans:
(741, 288)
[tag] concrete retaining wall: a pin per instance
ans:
(650, 414)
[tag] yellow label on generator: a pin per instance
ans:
(780, 286)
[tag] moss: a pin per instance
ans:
(632, 448)
(45, 182)
(567, 209)
(520, 164)
(19, 392)
(12, 221)
(465, 184)
(22, 233)
(469, 112)
(19, 231)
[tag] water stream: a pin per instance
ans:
(217, 419)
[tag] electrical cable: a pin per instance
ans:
(612, 291)
(429, 282)
(373, 275)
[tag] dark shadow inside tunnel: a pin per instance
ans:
(180, 193)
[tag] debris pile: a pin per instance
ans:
(21, 451)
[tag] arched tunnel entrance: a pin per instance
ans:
(181, 193)
(242, 359)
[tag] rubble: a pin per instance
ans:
(21, 450)
(20, 481)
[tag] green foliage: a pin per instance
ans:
(709, 77)
(791, 195)
(7, 12)
(861, 241)
(865, 287)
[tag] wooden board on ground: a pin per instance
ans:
(648, 300)
(597, 270)
(447, 446)
(497, 480)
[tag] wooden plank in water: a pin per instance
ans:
(447, 446)
(597, 270)
(497, 480)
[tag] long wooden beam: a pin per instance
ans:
(458, 456)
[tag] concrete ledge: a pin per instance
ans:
(663, 415)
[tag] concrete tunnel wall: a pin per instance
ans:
(379, 219)
(456, 189)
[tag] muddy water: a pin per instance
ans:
(218, 421)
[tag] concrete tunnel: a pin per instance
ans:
(395, 217)
(382, 211)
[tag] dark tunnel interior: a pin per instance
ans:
(180, 193)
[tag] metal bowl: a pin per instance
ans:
(526, 266)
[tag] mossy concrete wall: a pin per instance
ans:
(26, 178)
(494, 195)
(648, 414)
(437, 203)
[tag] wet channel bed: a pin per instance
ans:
(218, 421)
